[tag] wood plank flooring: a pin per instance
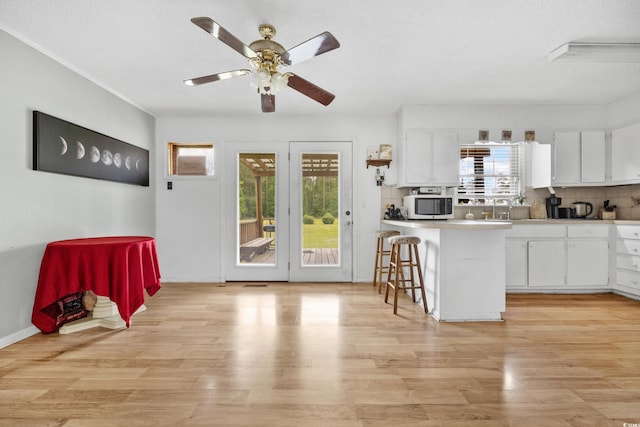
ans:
(289, 354)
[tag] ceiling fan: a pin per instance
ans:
(266, 57)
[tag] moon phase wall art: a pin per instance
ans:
(63, 147)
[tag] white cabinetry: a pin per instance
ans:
(592, 157)
(628, 259)
(557, 258)
(535, 257)
(429, 158)
(516, 263)
(566, 155)
(579, 158)
(538, 165)
(587, 256)
(547, 263)
(625, 155)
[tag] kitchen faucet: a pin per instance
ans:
(507, 212)
(509, 206)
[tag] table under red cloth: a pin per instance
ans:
(119, 267)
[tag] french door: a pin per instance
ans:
(320, 190)
(288, 211)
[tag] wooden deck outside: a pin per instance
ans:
(320, 256)
(317, 256)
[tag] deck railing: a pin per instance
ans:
(249, 230)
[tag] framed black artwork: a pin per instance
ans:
(63, 147)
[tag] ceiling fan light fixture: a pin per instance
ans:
(269, 83)
(279, 81)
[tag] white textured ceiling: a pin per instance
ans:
(392, 52)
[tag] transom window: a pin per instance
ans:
(489, 172)
(191, 159)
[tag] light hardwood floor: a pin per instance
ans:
(289, 354)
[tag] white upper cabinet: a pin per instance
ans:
(592, 156)
(579, 158)
(625, 155)
(566, 155)
(538, 165)
(429, 158)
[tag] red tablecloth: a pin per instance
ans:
(119, 268)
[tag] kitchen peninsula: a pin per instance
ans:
(463, 264)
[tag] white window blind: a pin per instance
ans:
(490, 171)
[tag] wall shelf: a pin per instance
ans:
(378, 162)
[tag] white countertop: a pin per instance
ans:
(574, 221)
(451, 224)
(464, 224)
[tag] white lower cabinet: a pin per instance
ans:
(516, 264)
(558, 258)
(587, 263)
(628, 259)
(547, 261)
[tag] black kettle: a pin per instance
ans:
(583, 209)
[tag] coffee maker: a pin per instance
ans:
(553, 203)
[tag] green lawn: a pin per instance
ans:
(320, 235)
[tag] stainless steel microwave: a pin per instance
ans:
(428, 206)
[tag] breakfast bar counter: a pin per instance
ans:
(463, 263)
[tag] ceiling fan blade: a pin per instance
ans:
(268, 103)
(312, 91)
(215, 77)
(313, 47)
(213, 28)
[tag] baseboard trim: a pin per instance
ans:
(18, 336)
(626, 294)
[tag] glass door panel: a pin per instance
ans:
(320, 209)
(256, 195)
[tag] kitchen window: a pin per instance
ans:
(490, 172)
(191, 159)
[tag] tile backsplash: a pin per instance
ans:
(625, 197)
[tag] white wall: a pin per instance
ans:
(624, 112)
(190, 217)
(39, 207)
